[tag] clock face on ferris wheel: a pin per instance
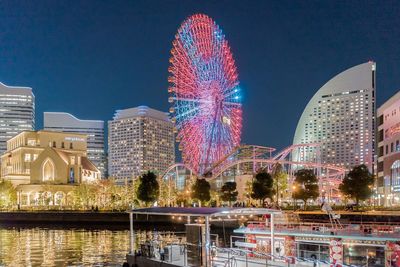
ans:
(205, 93)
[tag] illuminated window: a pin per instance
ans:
(48, 170)
(31, 142)
(395, 173)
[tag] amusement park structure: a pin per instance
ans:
(246, 160)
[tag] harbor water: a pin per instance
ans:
(67, 246)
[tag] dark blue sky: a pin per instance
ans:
(90, 58)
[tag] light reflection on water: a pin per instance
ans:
(64, 247)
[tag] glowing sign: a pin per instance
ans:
(74, 139)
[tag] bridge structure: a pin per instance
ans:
(245, 160)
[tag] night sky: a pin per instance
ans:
(90, 58)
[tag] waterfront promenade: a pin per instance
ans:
(121, 217)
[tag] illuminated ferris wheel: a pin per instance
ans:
(205, 93)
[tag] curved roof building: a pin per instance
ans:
(341, 118)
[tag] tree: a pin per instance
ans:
(228, 192)
(248, 190)
(148, 189)
(262, 186)
(357, 184)
(215, 198)
(129, 194)
(280, 180)
(84, 195)
(168, 192)
(201, 191)
(184, 197)
(107, 193)
(8, 194)
(305, 186)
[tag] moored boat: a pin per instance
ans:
(270, 238)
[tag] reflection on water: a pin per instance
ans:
(64, 247)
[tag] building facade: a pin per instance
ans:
(341, 118)
(17, 112)
(388, 149)
(139, 139)
(94, 129)
(44, 166)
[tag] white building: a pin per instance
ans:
(341, 117)
(94, 129)
(17, 112)
(139, 139)
(388, 182)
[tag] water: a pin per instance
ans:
(41, 246)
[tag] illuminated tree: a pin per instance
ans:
(248, 190)
(280, 180)
(8, 194)
(129, 194)
(84, 195)
(184, 197)
(107, 194)
(168, 192)
(215, 198)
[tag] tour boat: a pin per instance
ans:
(269, 238)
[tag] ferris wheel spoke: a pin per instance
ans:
(232, 104)
(185, 99)
(205, 93)
(188, 113)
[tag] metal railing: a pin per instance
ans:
(229, 257)
(379, 230)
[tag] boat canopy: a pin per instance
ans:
(206, 212)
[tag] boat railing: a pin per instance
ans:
(251, 255)
(175, 252)
(233, 257)
(326, 228)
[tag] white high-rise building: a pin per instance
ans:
(139, 139)
(17, 112)
(94, 129)
(341, 118)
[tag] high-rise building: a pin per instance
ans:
(388, 150)
(94, 129)
(139, 139)
(17, 112)
(341, 118)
